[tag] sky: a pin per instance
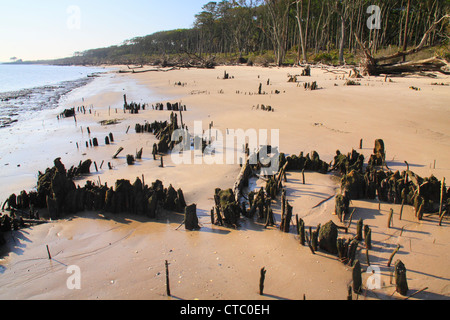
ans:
(49, 29)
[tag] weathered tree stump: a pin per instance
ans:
(261, 281)
(401, 282)
(390, 220)
(130, 160)
(117, 153)
(315, 240)
(342, 206)
(155, 151)
(359, 230)
(357, 277)
(167, 279)
(286, 220)
(352, 251)
(302, 233)
(190, 218)
(328, 235)
(368, 237)
(139, 154)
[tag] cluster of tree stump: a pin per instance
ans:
(226, 211)
(310, 162)
(227, 76)
(352, 83)
(169, 106)
(426, 195)
(15, 221)
(306, 71)
(264, 108)
(134, 107)
(82, 169)
(57, 192)
(163, 131)
(310, 85)
(292, 78)
(68, 113)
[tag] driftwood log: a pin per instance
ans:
(372, 66)
(242, 180)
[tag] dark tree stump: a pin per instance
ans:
(357, 278)
(261, 281)
(401, 282)
(190, 218)
(359, 230)
(328, 235)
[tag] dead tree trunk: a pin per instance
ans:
(242, 180)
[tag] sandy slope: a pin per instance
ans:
(123, 257)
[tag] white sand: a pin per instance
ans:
(123, 257)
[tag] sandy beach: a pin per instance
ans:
(123, 256)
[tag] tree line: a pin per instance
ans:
(286, 31)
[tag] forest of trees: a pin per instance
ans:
(288, 32)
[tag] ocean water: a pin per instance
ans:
(26, 89)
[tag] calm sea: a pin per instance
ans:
(31, 88)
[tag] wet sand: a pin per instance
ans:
(122, 257)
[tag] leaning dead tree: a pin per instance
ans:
(374, 66)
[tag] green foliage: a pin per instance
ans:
(267, 32)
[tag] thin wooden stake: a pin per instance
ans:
(401, 210)
(49, 255)
(390, 222)
(167, 279)
(441, 216)
(392, 255)
(261, 281)
(351, 218)
(417, 292)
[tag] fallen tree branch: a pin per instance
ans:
(371, 66)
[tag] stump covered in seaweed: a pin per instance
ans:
(57, 192)
(379, 154)
(401, 282)
(328, 235)
(130, 160)
(357, 278)
(228, 209)
(342, 206)
(354, 185)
